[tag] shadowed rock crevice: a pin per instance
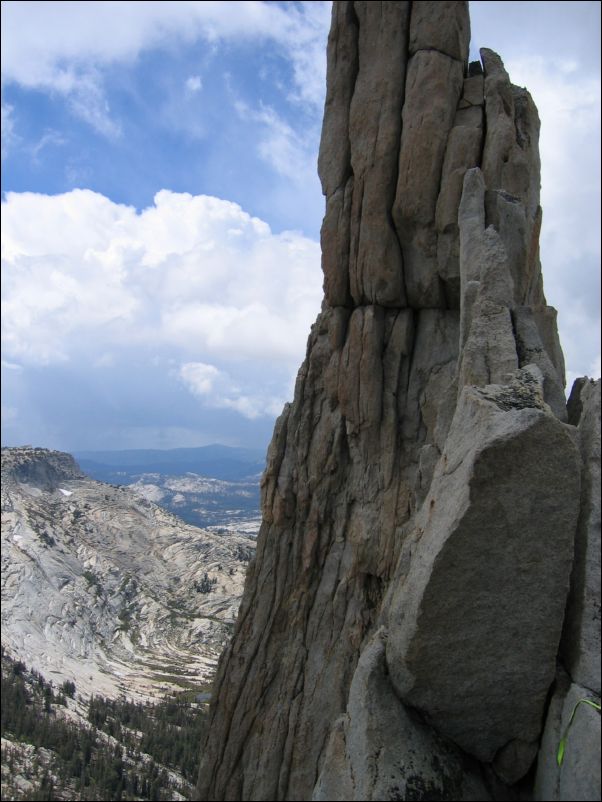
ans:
(399, 632)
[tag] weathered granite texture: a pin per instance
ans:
(381, 750)
(578, 778)
(581, 640)
(488, 562)
(400, 625)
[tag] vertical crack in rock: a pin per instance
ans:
(400, 625)
(375, 260)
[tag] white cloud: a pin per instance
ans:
(64, 46)
(194, 277)
(219, 390)
(49, 138)
(292, 153)
(199, 377)
(11, 366)
(105, 33)
(87, 100)
(9, 136)
(307, 42)
(255, 406)
(194, 83)
(289, 153)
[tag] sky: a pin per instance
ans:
(161, 208)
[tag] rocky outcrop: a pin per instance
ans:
(581, 641)
(107, 590)
(573, 714)
(400, 626)
(39, 467)
(380, 749)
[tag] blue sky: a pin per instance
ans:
(161, 208)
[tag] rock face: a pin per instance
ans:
(400, 626)
(578, 777)
(581, 642)
(381, 750)
(106, 589)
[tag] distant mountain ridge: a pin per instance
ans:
(215, 487)
(218, 461)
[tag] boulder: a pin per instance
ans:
(474, 622)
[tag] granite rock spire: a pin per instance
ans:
(400, 626)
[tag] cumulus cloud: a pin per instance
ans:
(199, 377)
(219, 390)
(194, 278)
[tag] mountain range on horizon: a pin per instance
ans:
(218, 461)
(216, 486)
